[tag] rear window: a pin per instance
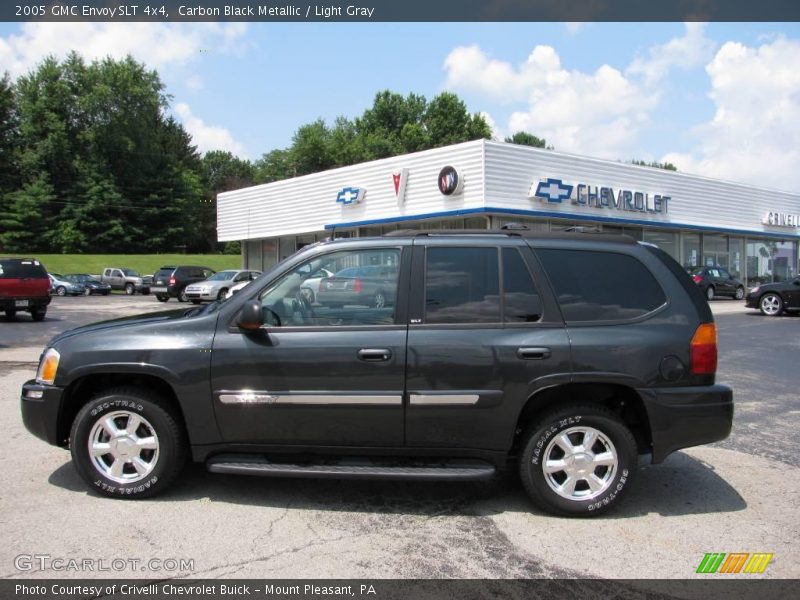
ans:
(18, 269)
(601, 286)
(164, 272)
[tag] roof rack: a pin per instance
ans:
(567, 234)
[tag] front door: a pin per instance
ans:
(482, 337)
(318, 374)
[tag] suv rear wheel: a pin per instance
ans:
(37, 314)
(126, 445)
(10, 314)
(182, 297)
(578, 460)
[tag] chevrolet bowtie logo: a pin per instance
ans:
(350, 195)
(553, 190)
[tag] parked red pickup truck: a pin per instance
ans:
(24, 287)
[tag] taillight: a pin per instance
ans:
(697, 278)
(172, 281)
(703, 350)
(357, 285)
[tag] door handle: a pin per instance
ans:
(374, 354)
(533, 353)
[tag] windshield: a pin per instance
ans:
(223, 276)
(130, 273)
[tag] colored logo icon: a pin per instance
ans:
(451, 183)
(735, 562)
(553, 190)
(399, 179)
(350, 195)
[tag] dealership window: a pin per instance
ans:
(286, 247)
(354, 287)
(736, 257)
(666, 240)
(770, 260)
(462, 285)
(601, 286)
(634, 232)
(252, 258)
(269, 253)
(715, 250)
(690, 250)
(476, 223)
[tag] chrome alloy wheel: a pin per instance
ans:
(123, 446)
(771, 304)
(580, 463)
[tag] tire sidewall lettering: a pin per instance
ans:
(552, 430)
(107, 406)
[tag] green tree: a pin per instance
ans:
(9, 138)
(668, 166)
(311, 149)
(524, 138)
(221, 171)
(22, 228)
(447, 121)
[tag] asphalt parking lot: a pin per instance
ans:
(741, 495)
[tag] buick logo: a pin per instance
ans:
(451, 183)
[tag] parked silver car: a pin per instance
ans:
(217, 286)
(60, 286)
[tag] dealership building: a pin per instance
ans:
(753, 232)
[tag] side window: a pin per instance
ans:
(336, 290)
(462, 285)
(107, 273)
(601, 286)
(724, 274)
(521, 301)
(117, 273)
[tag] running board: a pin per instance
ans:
(461, 470)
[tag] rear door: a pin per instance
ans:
(484, 334)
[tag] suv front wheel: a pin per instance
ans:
(578, 460)
(126, 445)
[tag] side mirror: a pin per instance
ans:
(251, 317)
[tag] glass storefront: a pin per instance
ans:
(666, 240)
(690, 250)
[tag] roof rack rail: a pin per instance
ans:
(567, 234)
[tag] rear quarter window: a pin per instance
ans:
(601, 285)
(18, 269)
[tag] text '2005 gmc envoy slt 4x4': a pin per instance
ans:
(564, 356)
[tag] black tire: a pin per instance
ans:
(770, 304)
(710, 293)
(196, 301)
(539, 444)
(106, 293)
(130, 289)
(11, 314)
(182, 297)
(61, 291)
(38, 314)
(739, 293)
(161, 298)
(167, 460)
(145, 291)
(222, 293)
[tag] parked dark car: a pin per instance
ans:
(370, 285)
(716, 281)
(564, 355)
(94, 285)
(170, 282)
(774, 298)
(24, 287)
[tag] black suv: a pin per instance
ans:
(170, 282)
(565, 356)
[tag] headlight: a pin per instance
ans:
(48, 367)
(755, 290)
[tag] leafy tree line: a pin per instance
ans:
(91, 160)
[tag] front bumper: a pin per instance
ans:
(200, 295)
(751, 301)
(40, 406)
(687, 416)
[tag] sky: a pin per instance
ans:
(718, 99)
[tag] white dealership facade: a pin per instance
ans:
(751, 231)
